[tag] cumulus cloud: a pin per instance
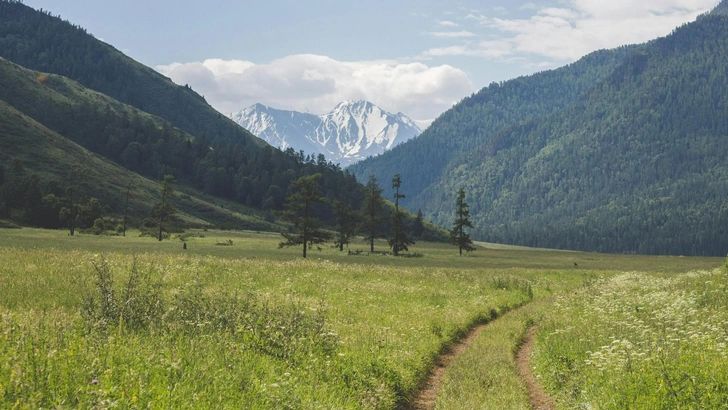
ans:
(315, 84)
(447, 23)
(577, 27)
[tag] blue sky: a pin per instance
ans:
(417, 57)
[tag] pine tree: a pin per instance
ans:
(347, 221)
(418, 226)
(462, 220)
(126, 209)
(399, 240)
(164, 211)
(75, 194)
(372, 211)
(308, 230)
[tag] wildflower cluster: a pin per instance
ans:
(640, 341)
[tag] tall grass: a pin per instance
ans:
(641, 341)
(181, 331)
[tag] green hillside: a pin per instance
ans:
(42, 42)
(152, 147)
(45, 159)
(635, 162)
(74, 125)
(423, 160)
(141, 120)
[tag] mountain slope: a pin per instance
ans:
(352, 131)
(50, 156)
(152, 147)
(183, 135)
(636, 163)
(422, 160)
(45, 43)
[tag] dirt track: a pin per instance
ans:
(426, 398)
(539, 399)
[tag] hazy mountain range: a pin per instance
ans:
(352, 131)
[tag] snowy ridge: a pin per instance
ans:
(352, 131)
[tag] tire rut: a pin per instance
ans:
(426, 397)
(536, 394)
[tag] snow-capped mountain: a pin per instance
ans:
(352, 131)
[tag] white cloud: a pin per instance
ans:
(451, 34)
(480, 18)
(577, 27)
(447, 23)
(317, 83)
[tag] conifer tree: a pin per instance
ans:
(399, 240)
(307, 229)
(418, 227)
(75, 194)
(462, 220)
(126, 209)
(164, 211)
(372, 211)
(347, 221)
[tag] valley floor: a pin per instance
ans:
(231, 320)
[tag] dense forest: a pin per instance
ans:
(622, 151)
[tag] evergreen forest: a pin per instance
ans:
(622, 151)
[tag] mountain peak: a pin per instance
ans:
(353, 104)
(353, 130)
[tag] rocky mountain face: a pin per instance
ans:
(352, 131)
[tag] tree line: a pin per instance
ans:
(369, 221)
(25, 199)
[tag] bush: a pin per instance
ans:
(98, 227)
(137, 306)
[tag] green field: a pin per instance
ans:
(234, 322)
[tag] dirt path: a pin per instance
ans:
(539, 399)
(426, 398)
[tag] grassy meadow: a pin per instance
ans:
(232, 321)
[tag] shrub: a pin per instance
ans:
(137, 306)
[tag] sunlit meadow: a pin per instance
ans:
(233, 322)
(229, 332)
(640, 341)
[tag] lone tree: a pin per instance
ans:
(164, 211)
(399, 240)
(418, 226)
(307, 229)
(372, 210)
(347, 221)
(75, 194)
(462, 220)
(126, 209)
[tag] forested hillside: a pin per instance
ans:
(229, 178)
(153, 147)
(164, 128)
(35, 164)
(634, 163)
(472, 121)
(42, 42)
